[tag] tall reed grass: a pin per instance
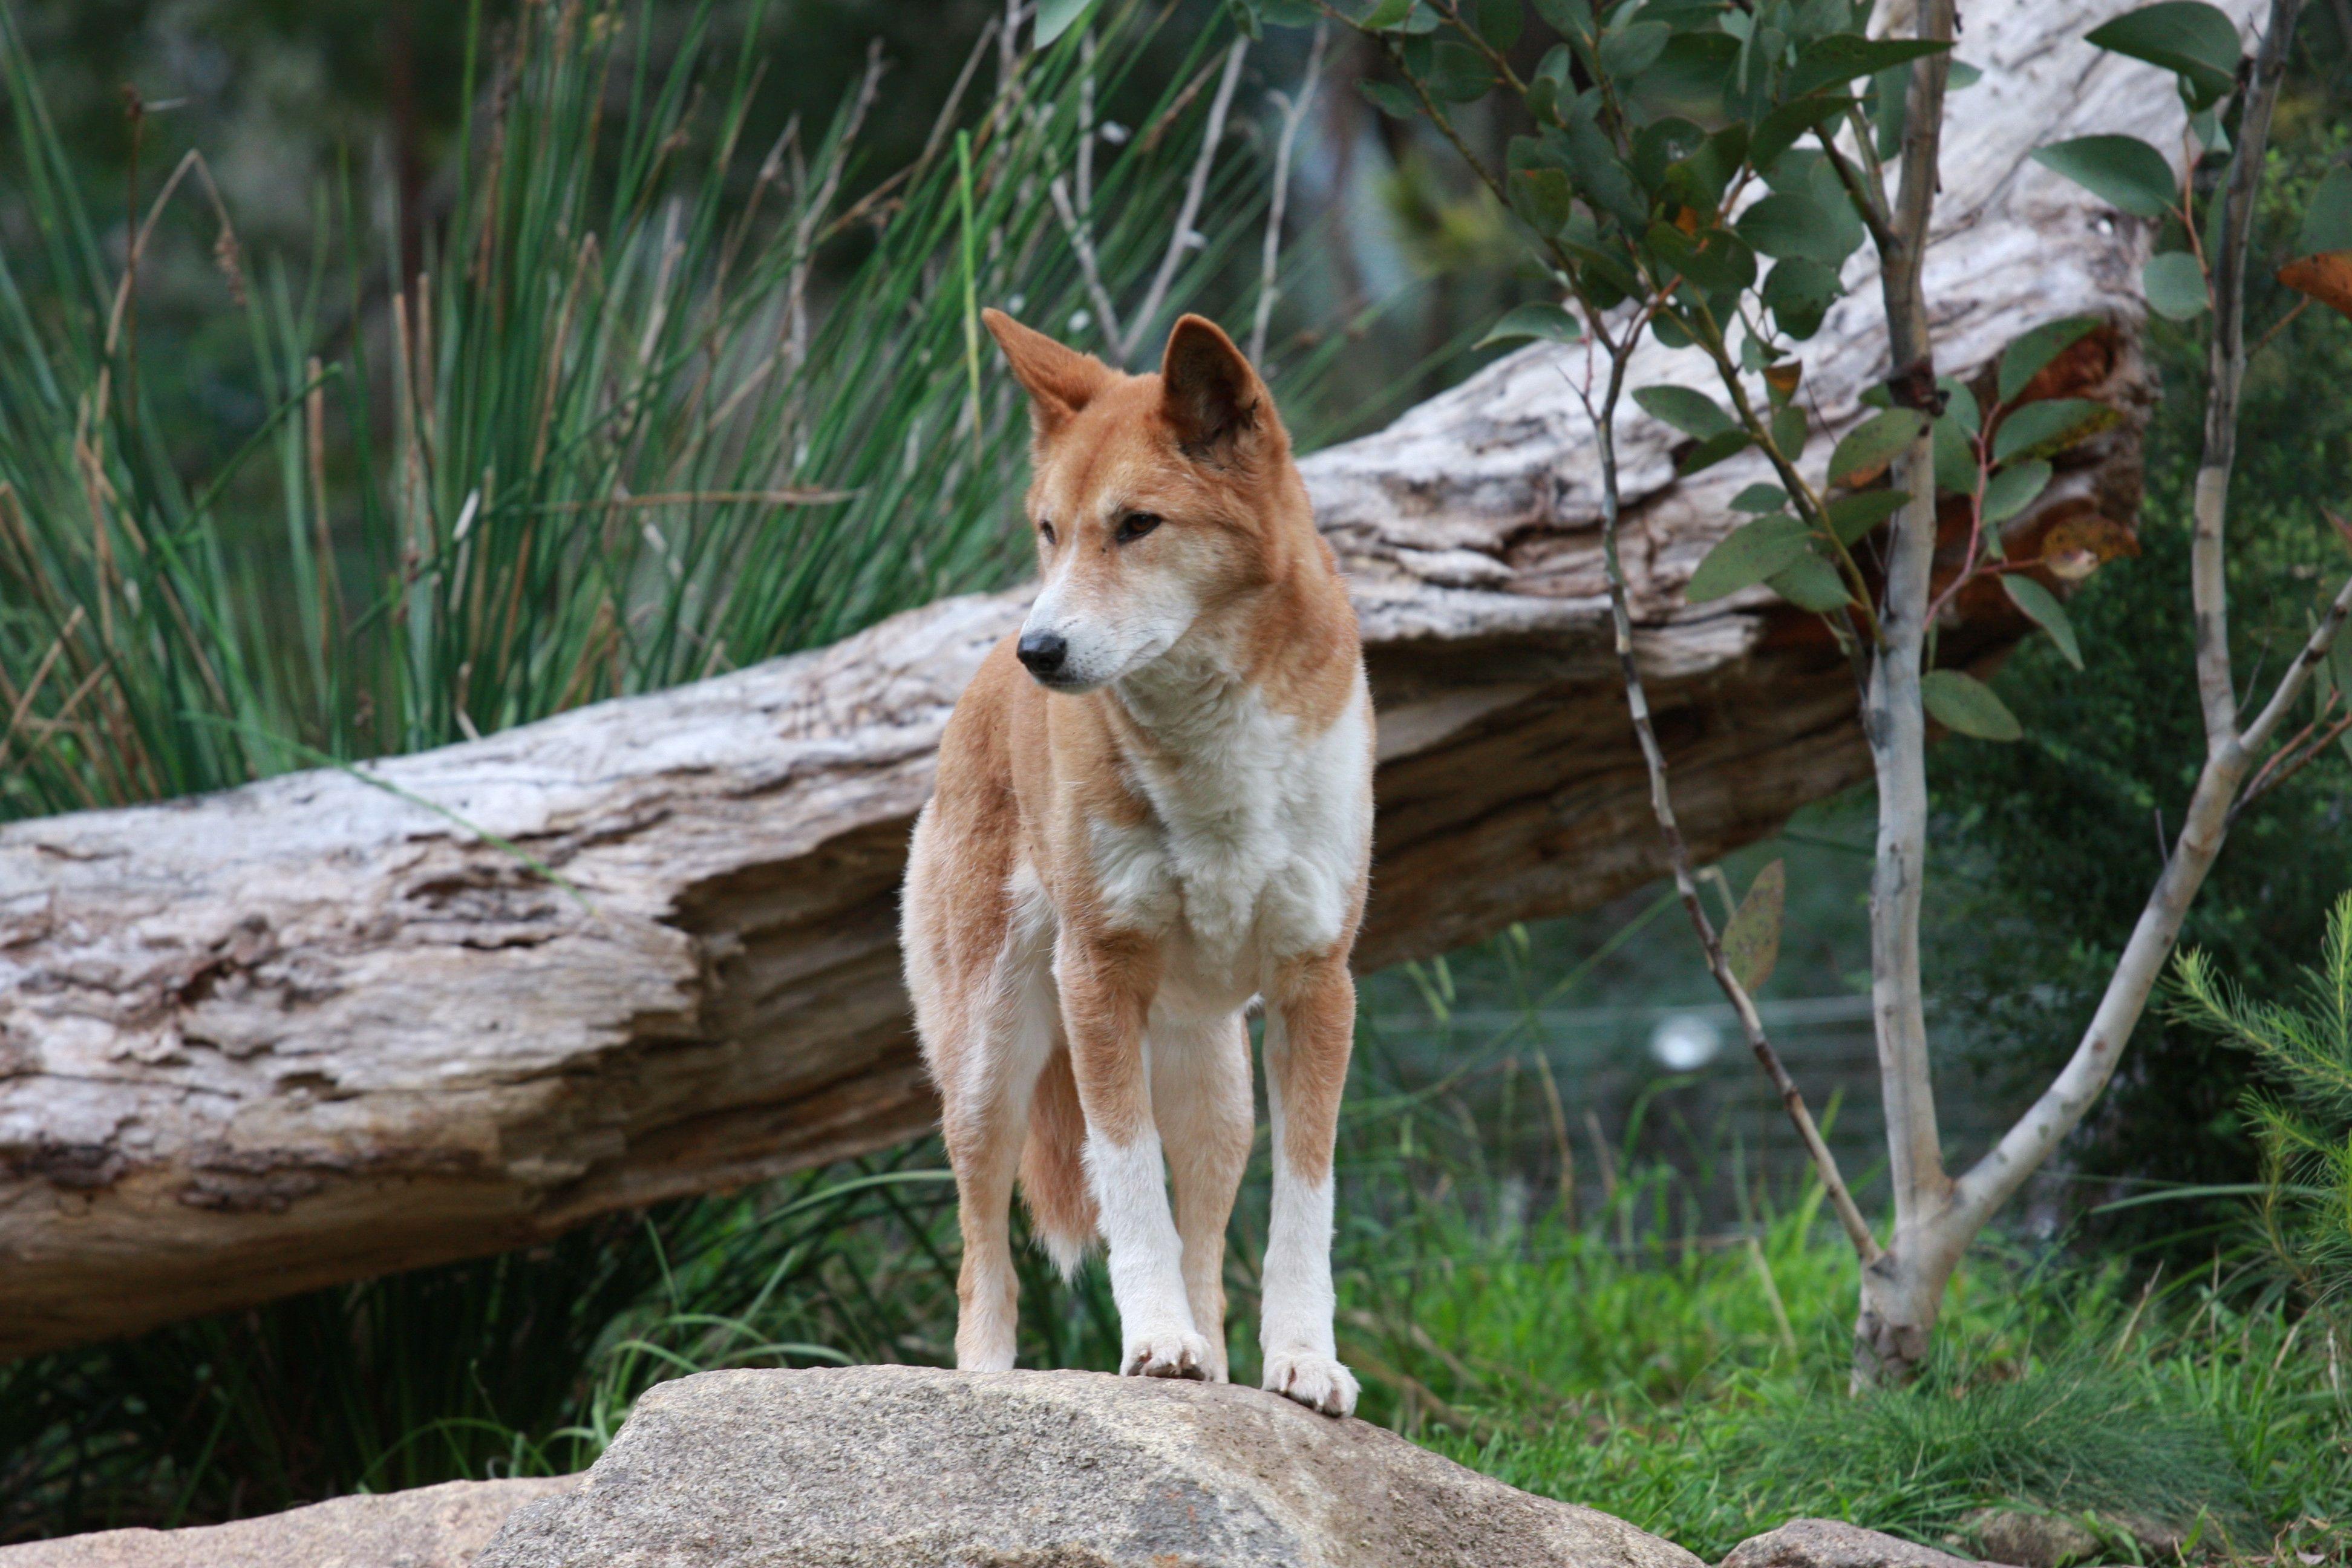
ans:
(661, 403)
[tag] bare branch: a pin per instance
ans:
(1082, 245)
(1894, 711)
(1662, 805)
(1180, 240)
(2228, 755)
(1294, 115)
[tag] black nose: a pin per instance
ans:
(1042, 652)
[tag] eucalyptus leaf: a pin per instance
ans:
(1761, 498)
(2043, 606)
(1852, 516)
(2328, 222)
(1967, 706)
(1692, 412)
(2196, 42)
(1751, 938)
(1548, 322)
(2175, 286)
(1811, 584)
(1390, 100)
(2122, 171)
(1714, 450)
(1842, 56)
(2046, 429)
(2027, 356)
(1746, 557)
(2014, 489)
(1872, 445)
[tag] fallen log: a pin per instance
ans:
(340, 1022)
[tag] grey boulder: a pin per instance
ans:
(915, 1467)
(1833, 1544)
(430, 1526)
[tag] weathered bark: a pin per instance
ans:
(313, 1029)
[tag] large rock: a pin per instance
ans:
(1834, 1543)
(432, 1527)
(914, 1467)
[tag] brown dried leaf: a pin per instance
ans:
(1752, 942)
(2326, 277)
(1783, 378)
(2079, 546)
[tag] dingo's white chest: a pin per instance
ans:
(1258, 839)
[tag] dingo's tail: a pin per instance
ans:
(1053, 1168)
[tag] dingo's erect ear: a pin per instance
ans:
(1060, 380)
(1208, 394)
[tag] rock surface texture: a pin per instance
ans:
(432, 1527)
(1832, 1544)
(323, 1027)
(914, 1467)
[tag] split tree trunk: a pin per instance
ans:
(318, 1027)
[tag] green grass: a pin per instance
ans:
(667, 399)
(1621, 1353)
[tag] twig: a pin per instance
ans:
(1082, 245)
(1793, 1099)
(1294, 115)
(1180, 240)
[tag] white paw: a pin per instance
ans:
(1171, 1354)
(1315, 1381)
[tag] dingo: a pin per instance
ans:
(1154, 803)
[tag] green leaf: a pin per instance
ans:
(1852, 516)
(1548, 322)
(1967, 706)
(1790, 431)
(1955, 453)
(2025, 358)
(1055, 17)
(1799, 294)
(2122, 171)
(1499, 22)
(1761, 498)
(1630, 50)
(1746, 557)
(1459, 74)
(1715, 259)
(1288, 13)
(2042, 607)
(2013, 490)
(1390, 100)
(1714, 450)
(1811, 584)
(1751, 938)
(2175, 286)
(1567, 17)
(1692, 412)
(1873, 444)
(1794, 223)
(2327, 224)
(1842, 56)
(2197, 43)
(2046, 429)
(1385, 16)
(1778, 129)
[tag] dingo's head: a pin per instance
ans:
(1154, 498)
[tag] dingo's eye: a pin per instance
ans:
(1046, 532)
(1135, 525)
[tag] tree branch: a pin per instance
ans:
(2229, 754)
(1662, 805)
(1197, 188)
(1294, 115)
(1894, 711)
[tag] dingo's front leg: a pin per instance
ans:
(1310, 1024)
(1107, 984)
